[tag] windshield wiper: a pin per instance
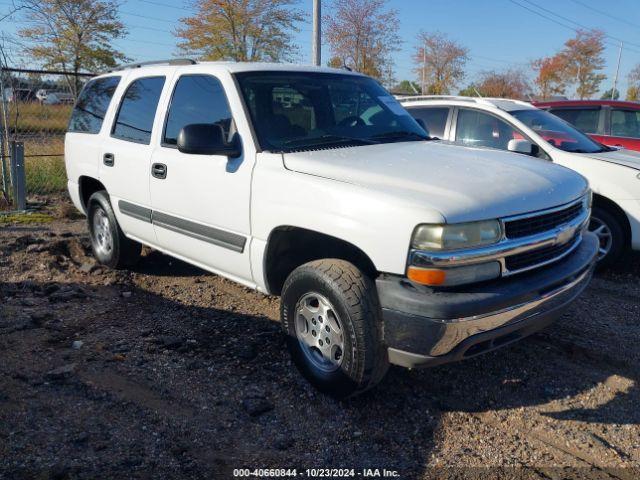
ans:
(399, 135)
(326, 140)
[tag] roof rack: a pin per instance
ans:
(171, 61)
(416, 98)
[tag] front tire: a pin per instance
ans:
(109, 244)
(333, 322)
(610, 233)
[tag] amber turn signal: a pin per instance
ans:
(427, 276)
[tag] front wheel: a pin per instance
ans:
(610, 234)
(333, 322)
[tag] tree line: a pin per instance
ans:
(363, 35)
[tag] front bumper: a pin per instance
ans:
(424, 326)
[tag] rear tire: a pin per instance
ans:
(610, 232)
(333, 322)
(109, 244)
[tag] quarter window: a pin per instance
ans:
(134, 121)
(625, 123)
(197, 99)
(92, 105)
(585, 119)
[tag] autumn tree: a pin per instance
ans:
(633, 90)
(439, 62)
(584, 56)
(610, 94)
(551, 76)
(363, 35)
(406, 87)
(241, 30)
(73, 35)
(469, 91)
(507, 84)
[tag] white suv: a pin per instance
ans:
(517, 126)
(316, 185)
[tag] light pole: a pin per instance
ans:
(317, 33)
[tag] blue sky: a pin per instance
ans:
(499, 33)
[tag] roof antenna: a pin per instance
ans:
(477, 92)
(344, 67)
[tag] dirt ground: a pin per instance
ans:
(167, 371)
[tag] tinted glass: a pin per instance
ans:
(583, 119)
(625, 123)
(435, 119)
(479, 129)
(304, 110)
(92, 105)
(558, 132)
(197, 99)
(138, 109)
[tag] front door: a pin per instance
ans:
(201, 202)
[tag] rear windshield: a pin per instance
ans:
(310, 110)
(92, 105)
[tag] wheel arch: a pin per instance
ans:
(88, 186)
(288, 247)
(613, 208)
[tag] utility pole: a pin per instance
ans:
(317, 33)
(424, 66)
(615, 79)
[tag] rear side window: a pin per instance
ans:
(138, 110)
(585, 119)
(92, 105)
(196, 99)
(435, 119)
(625, 123)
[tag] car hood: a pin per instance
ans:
(626, 158)
(462, 184)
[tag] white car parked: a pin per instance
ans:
(614, 175)
(316, 185)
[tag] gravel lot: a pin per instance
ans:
(169, 372)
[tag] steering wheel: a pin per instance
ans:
(351, 121)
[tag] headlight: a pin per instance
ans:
(455, 236)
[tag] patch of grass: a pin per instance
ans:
(46, 174)
(25, 218)
(32, 117)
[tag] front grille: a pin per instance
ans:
(535, 258)
(524, 227)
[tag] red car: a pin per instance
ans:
(611, 122)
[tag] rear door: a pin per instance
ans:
(126, 151)
(436, 119)
(624, 128)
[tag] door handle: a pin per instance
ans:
(159, 170)
(108, 159)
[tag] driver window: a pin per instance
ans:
(478, 129)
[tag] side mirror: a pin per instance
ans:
(520, 146)
(206, 139)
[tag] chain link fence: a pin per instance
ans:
(36, 106)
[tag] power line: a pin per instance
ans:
(561, 23)
(576, 23)
(601, 12)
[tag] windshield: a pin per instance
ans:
(310, 110)
(557, 132)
